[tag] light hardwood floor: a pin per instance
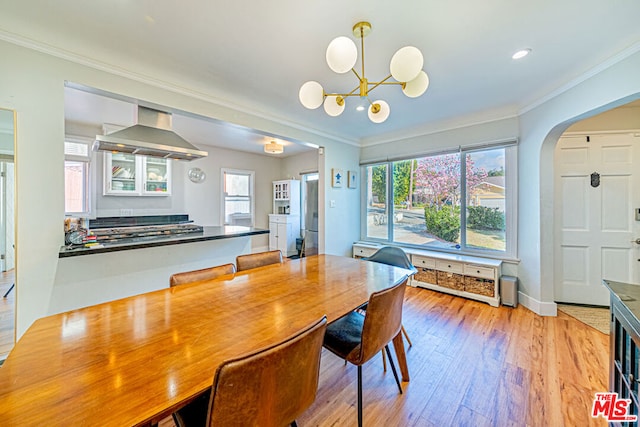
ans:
(472, 365)
(7, 313)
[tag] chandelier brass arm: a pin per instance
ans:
(364, 90)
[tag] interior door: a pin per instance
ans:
(596, 198)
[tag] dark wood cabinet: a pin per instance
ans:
(624, 356)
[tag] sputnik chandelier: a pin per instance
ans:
(342, 54)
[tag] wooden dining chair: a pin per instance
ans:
(249, 261)
(356, 338)
(202, 274)
(396, 257)
(269, 388)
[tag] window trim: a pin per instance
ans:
(252, 192)
(511, 198)
(90, 178)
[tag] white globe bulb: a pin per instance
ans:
(342, 54)
(311, 95)
(406, 63)
(417, 86)
(382, 114)
(332, 107)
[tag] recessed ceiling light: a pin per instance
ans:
(360, 108)
(521, 53)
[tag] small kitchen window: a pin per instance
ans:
(77, 177)
(238, 204)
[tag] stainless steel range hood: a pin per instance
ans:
(151, 136)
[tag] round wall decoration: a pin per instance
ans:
(197, 175)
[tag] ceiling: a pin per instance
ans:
(92, 110)
(254, 56)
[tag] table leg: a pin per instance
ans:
(398, 345)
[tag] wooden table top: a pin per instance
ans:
(134, 361)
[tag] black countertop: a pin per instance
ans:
(628, 294)
(209, 233)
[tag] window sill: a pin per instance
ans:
(408, 247)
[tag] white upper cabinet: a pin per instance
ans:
(286, 197)
(156, 176)
(131, 175)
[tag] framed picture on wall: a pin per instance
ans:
(352, 177)
(336, 177)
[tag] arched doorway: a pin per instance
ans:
(596, 188)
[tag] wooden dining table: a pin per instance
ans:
(136, 360)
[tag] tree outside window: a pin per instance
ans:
(435, 205)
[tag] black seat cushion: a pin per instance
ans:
(195, 413)
(345, 334)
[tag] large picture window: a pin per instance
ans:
(462, 201)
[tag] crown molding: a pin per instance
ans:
(620, 56)
(158, 83)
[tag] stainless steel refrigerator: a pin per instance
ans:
(311, 217)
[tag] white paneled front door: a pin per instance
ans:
(596, 196)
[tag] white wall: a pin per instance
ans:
(341, 205)
(92, 279)
(487, 132)
(293, 166)
(32, 83)
(6, 132)
(622, 118)
(203, 200)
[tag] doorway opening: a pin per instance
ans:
(597, 191)
(7, 232)
(309, 220)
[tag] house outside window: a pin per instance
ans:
(238, 204)
(461, 201)
(77, 177)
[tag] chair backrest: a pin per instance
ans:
(392, 255)
(203, 274)
(249, 261)
(382, 321)
(269, 388)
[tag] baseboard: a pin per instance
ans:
(538, 307)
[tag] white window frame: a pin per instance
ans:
(511, 200)
(251, 174)
(89, 178)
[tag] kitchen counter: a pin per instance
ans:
(628, 295)
(624, 346)
(209, 233)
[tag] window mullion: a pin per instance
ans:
(390, 206)
(463, 200)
